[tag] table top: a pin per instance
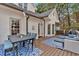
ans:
(15, 39)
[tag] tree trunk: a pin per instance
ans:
(68, 15)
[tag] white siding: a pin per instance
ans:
(53, 18)
(5, 14)
(33, 22)
(46, 28)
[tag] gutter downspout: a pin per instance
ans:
(26, 22)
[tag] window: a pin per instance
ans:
(14, 26)
(52, 28)
(48, 28)
(57, 28)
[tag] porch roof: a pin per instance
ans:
(38, 15)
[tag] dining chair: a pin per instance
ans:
(26, 43)
(1, 50)
(8, 47)
(31, 41)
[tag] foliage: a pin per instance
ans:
(75, 26)
(66, 11)
(42, 7)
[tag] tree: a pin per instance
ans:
(42, 7)
(75, 9)
(64, 10)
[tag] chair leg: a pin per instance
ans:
(32, 44)
(23, 44)
(5, 53)
(29, 45)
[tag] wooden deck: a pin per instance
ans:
(51, 51)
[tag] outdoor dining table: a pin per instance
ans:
(17, 39)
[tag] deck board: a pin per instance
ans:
(50, 54)
(65, 53)
(52, 51)
(57, 53)
(61, 53)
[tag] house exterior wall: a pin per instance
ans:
(33, 25)
(53, 18)
(46, 28)
(5, 15)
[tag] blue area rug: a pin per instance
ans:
(22, 52)
(49, 42)
(52, 43)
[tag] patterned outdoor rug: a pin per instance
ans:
(49, 42)
(22, 52)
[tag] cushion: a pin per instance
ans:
(71, 35)
(59, 40)
(62, 37)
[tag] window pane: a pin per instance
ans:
(48, 28)
(14, 27)
(52, 28)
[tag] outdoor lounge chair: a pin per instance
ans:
(59, 43)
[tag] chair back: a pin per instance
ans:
(28, 34)
(7, 44)
(33, 35)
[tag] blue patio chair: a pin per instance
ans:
(8, 47)
(28, 34)
(1, 50)
(27, 42)
(34, 35)
(31, 41)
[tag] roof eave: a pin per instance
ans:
(11, 5)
